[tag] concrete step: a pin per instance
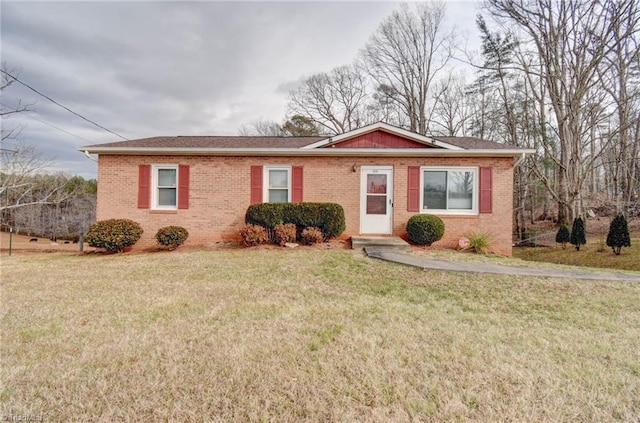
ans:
(386, 242)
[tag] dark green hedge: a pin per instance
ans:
(329, 217)
(114, 235)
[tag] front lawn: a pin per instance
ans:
(594, 254)
(309, 335)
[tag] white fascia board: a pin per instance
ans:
(333, 152)
(386, 127)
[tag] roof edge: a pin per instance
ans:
(302, 152)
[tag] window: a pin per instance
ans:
(165, 187)
(277, 184)
(450, 190)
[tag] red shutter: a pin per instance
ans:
(256, 184)
(485, 190)
(296, 184)
(183, 186)
(144, 186)
(413, 183)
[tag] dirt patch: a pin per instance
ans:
(24, 245)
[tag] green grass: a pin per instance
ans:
(588, 256)
(309, 335)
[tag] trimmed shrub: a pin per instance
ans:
(479, 242)
(618, 236)
(253, 235)
(113, 235)
(328, 217)
(563, 236)
(425, 229)
(311, 235)
(578, 236)
(265, 214)
(172, 236)
(283, 233)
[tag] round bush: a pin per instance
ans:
(172, 236)
(311, 235)
(114, 235)
(253, 235)
(425, 229)
(284, 233)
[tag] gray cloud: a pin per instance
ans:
(167, 68)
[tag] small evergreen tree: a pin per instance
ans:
(618, 236)
(563, 236)
(578, 237)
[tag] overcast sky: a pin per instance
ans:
(143, 69)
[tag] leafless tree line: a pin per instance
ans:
(39, 203)
(33, 201)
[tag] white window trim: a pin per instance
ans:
(265, 181)
(154, 185)
(475, 199)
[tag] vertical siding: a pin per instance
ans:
(379, 139)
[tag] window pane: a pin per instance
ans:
(278, 196)
(166, 196)
(278, 179)
(376, 184)
(376, 204)
(435, 190)
(166, 177)
(460, 190)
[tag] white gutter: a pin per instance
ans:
(332, 152)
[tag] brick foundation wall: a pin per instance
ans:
(220, 194)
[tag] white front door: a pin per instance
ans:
(376, 200)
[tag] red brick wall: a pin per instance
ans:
(220, 194)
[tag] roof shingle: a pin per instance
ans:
(215, 142)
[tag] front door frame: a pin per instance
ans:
(385, 224)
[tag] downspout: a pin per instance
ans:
(86, 153)
(517, 162)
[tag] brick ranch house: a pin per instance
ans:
(380, 174)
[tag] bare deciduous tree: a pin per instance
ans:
(336, 101)
(451, 110)
(404, 56)
(571, 40)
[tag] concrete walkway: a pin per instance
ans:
(475, 267)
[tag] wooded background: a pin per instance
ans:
(560, 77)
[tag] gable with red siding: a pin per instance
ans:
(379, 139)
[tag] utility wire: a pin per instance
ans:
(64, 107)
(49, 124)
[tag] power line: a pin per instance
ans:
(64, 107)
(51, 125)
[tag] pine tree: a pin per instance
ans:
(618, 236)
(578, 237)
(563, 236)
